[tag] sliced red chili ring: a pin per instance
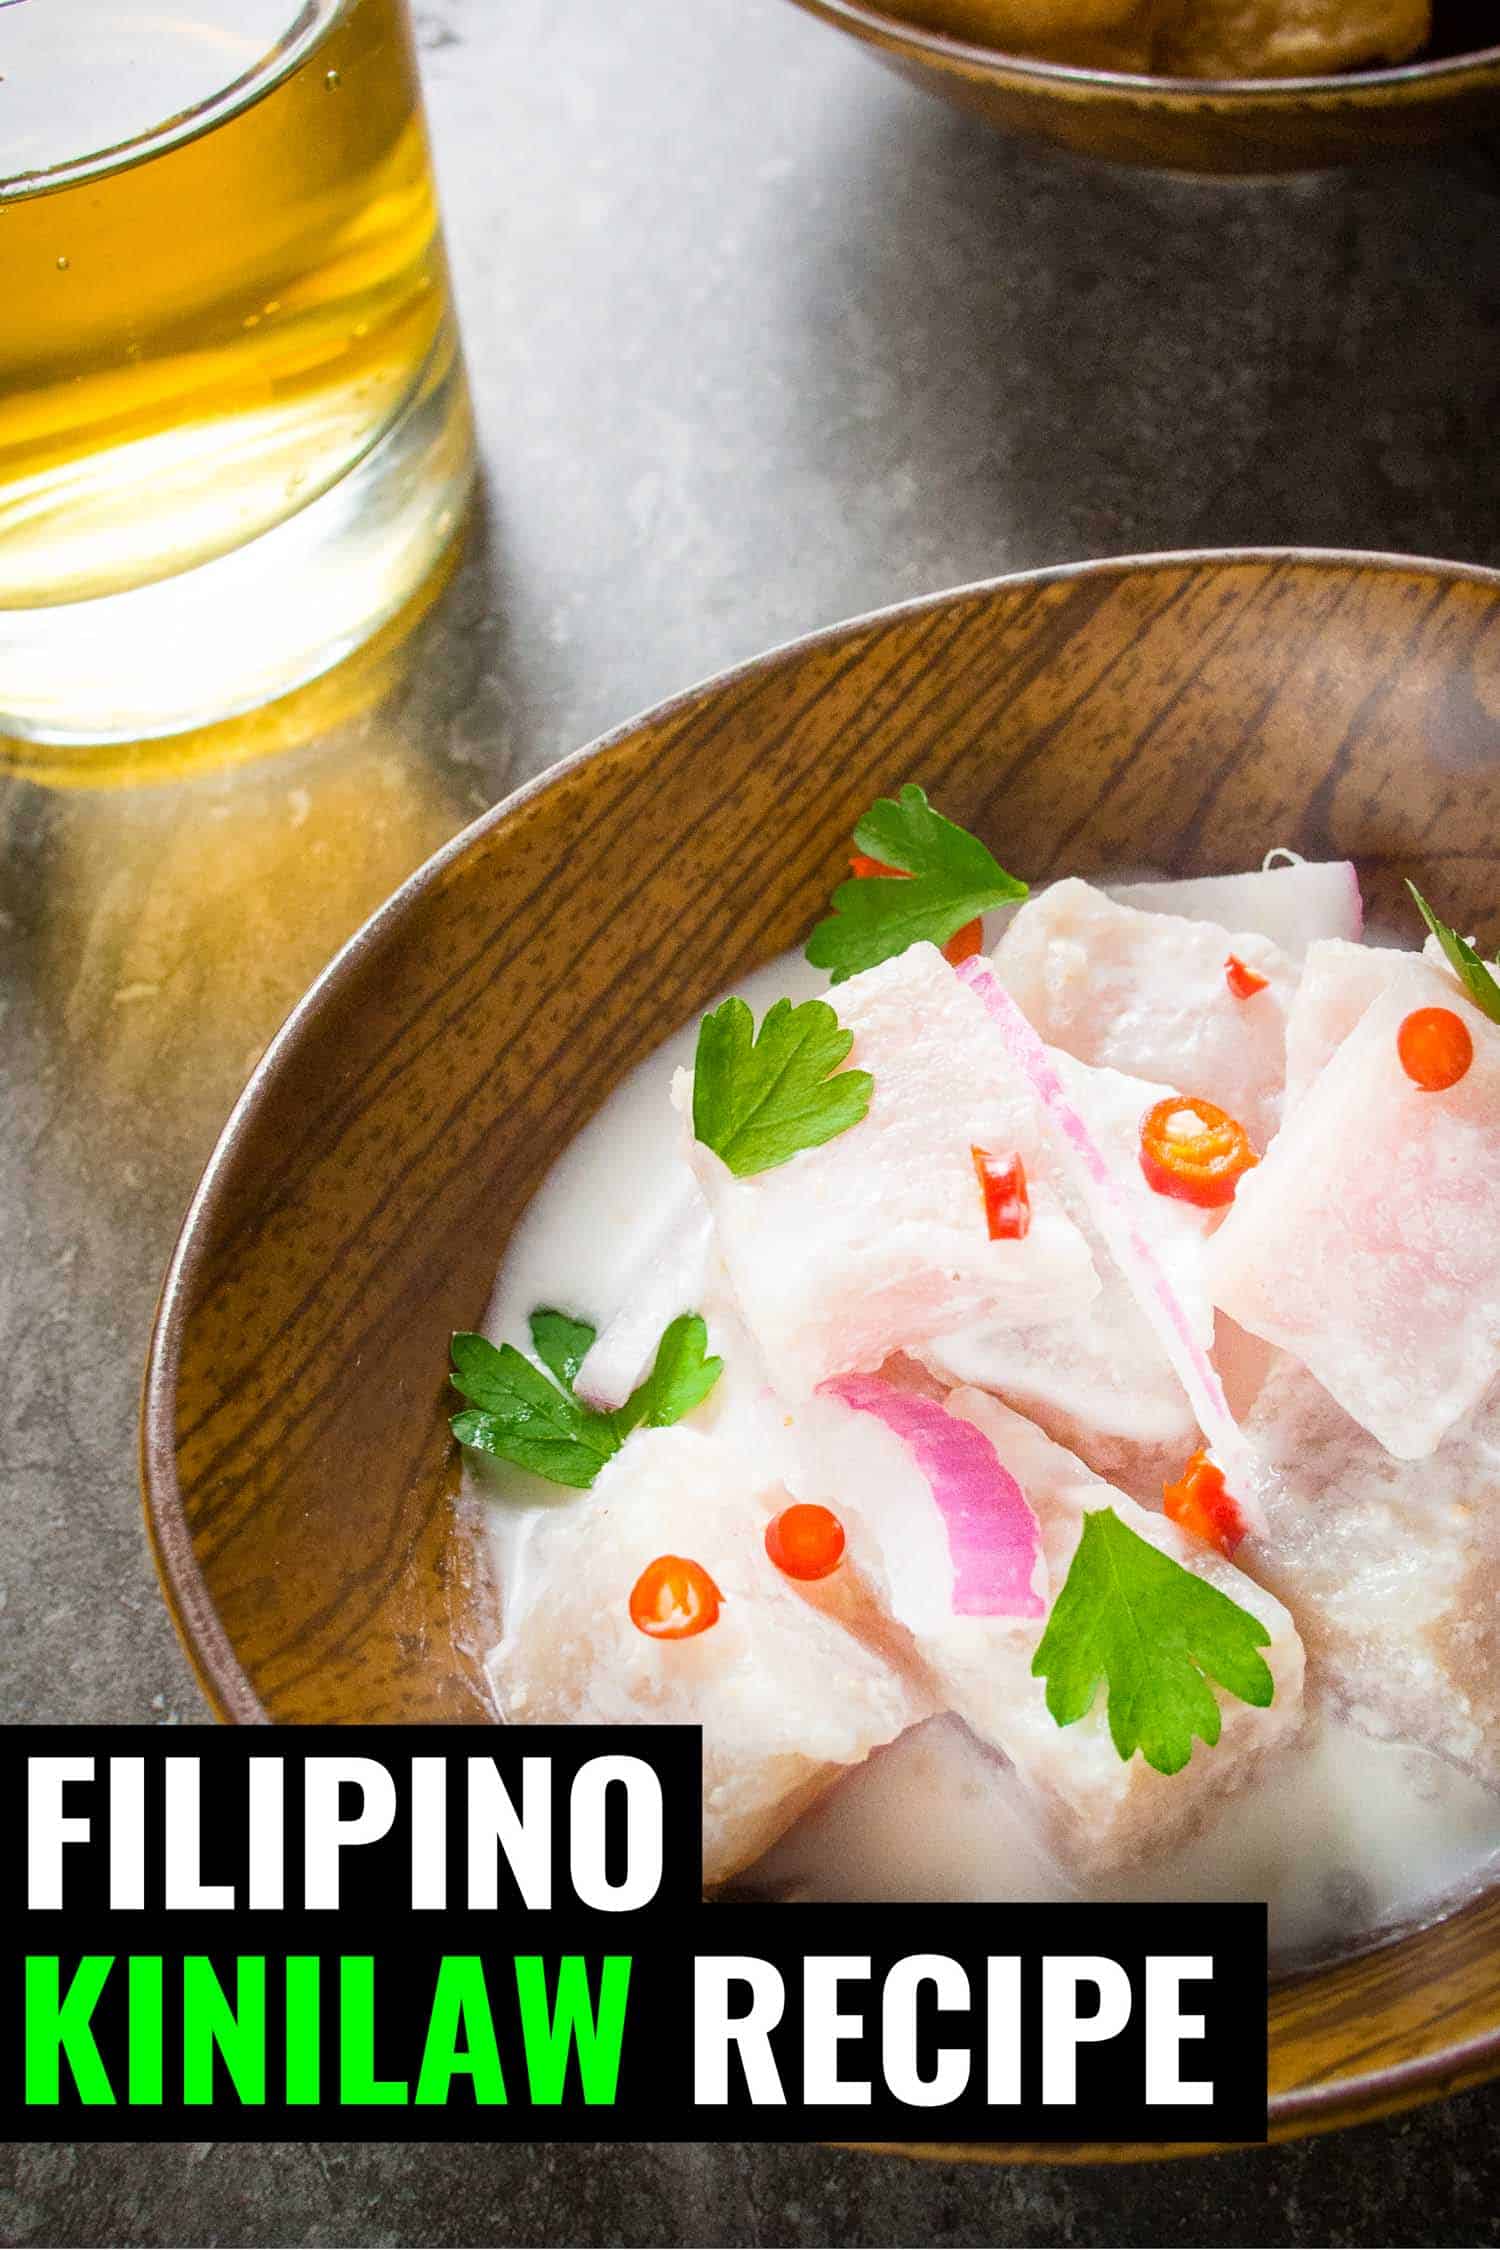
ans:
(1436, 1048)
(674, 1598)
(1199, 1504)
(1007, 1203)
(1243, 983)
(965, 943)
(1193, 1150)
(805, 1541)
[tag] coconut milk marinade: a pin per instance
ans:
(1360, 1799)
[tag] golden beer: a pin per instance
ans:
(236, 320)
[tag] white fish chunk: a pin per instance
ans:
(1100, 1375)
(792, 1685)
(669, 1279)
(1391, 1569)
(1147, 994)
(877, 1241)
(1293, 905)
(1114, 1214)
(1339, 982)
(1367, 1243)
(1243, 1362)
(1095, 1810)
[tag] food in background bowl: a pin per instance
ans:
(1188, 38)
(1038, 1413)
(1090, 34)
(1287, 38)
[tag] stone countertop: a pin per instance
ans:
(760, 337)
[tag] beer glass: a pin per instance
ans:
(234, 432)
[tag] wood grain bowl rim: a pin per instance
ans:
(1477, 66)
(227, 1687)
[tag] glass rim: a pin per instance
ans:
(311, 23)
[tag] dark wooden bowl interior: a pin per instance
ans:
(1184, 713)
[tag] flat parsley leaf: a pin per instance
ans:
(517, 1415)
(759, 1099)
(1156, 1634)
(561, 1343)
(1464, 961)
(681, 1379)
(947, 878)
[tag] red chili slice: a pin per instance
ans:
(674, 1598)
(805, 1541)
(1435, 1048)
(1199, 1504)
(963, 944)
(1194, 1151)
(1242, 982)
(1007, 1206)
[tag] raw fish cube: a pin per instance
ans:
(1096, 1810)
(1391, 1569)
(1100, 1375)
(1114, 1213)
(877, 1241)
(1367, 1243)
(1148, 994)
(792, 1684)
(1339, 982)
(1292, 905)
(1243, 1362)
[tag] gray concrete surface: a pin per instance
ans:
(760, 337)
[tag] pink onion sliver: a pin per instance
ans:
(994, 1540)
(1133, 1254)
(1356, 929)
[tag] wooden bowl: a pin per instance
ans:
(1184, 712)
(1204, 126)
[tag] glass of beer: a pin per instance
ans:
(234, 431)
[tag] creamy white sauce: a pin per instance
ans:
(1341, 1836)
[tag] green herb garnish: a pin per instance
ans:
(1156, 1634)
(561, 1343)
(950, 878)
(518, 1415)
(681, 1379)
(760, 1098)
(1463, 960)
